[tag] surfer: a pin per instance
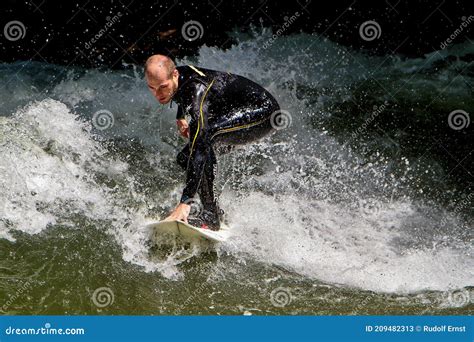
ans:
(224, 109)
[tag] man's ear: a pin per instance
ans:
(175, 73)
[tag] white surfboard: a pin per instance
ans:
(188, 231)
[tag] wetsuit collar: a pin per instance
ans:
(186, 72)
(181, 79)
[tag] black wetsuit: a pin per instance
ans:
(225, 109)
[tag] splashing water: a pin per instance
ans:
(298, 200)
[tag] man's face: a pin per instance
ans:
(162, 86)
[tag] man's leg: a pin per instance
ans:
(211, 213)
(243, 128)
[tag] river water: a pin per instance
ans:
(351, 208)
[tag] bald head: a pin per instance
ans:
(162, 77)
(159, 66)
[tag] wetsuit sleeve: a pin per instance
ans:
(180, 113)
(199, 143)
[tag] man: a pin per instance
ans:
(225, 110)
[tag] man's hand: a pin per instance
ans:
(180, 213)
(183, 127)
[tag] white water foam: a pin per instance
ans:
(47, 173)
(340, 245)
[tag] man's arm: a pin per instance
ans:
(200, 144)
(183, 127)
(181, 122)
(180, 113)
(199, 150)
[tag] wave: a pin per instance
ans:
(299, 199)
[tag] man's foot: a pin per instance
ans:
(205, 221)
(197, 222)
(210, 219)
